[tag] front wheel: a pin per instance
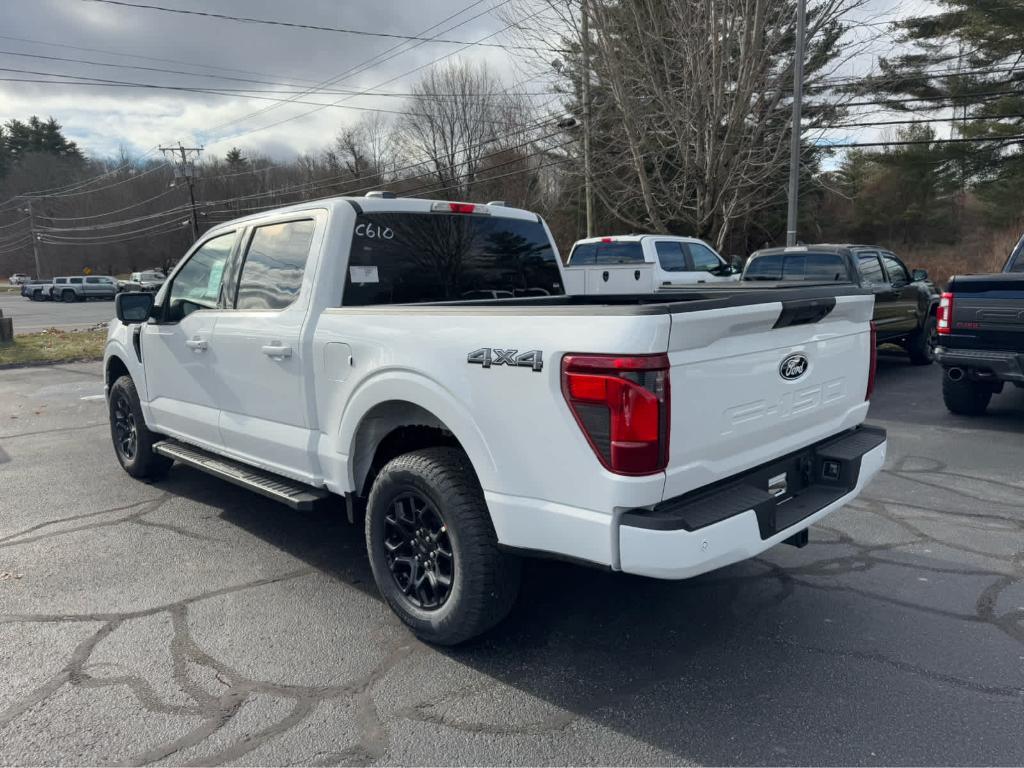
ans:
(433, 550)
(67, 297)
(133, 442)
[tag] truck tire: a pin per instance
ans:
(67, 296)
(966, 397)
(133, 441)
(433, 550)
(921, 345)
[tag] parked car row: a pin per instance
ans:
(85, 287)
(71, 289)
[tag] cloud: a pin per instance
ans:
(103, 119)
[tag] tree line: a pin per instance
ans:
(684, 109)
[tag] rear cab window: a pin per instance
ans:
(611, 252)
(806, 266)
(405, 258)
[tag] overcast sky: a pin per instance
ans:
(101, 119)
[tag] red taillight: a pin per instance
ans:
(873, 365)
(607, 239)
(622, 405)
(944, 314)
(461, 207)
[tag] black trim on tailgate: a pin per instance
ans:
(816, 476)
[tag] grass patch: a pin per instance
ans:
(52, 346)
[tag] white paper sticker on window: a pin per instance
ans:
(361, 275)
(213, 284)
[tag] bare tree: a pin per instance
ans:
(690, 102)
(459, 118)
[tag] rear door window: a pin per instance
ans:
(93, 280)
(274, 265)
(671, 256)
(870, 268)
(403, 258)
(75, 281)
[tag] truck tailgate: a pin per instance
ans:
(752, 383)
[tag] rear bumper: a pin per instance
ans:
(739, 518)
(1005, 366)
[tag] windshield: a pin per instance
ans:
(402, 258)
(815, 267)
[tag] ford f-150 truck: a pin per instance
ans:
(981, 335)
(325, 349)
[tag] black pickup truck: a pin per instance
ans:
(981, 335)
(905, 300)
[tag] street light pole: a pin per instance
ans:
(585, 75)
(794, 150)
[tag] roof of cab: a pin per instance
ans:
(375, 205)
(636, 239)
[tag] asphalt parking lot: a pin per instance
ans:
(191, 622)
(33, 316)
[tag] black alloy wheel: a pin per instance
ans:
(126, 435)
(418, 551)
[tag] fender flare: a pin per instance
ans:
(405, 386)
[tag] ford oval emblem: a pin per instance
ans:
(793, 367)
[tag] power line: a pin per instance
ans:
(374, 60)
(1018, 137)
(316, 27)
(920, 120)
(217, 88)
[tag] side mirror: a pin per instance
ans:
(133, 307)
(919, 274)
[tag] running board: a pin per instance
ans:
(291, 492)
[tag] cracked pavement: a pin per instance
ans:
(190, 622)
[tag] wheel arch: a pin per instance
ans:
(400, 412)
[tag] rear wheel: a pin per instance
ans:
(966, 397)
(133, 441)
(67, 296)
(921, 346)
(433, 550)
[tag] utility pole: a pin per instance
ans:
(798, 95)
(35, 237)
(585, 78)
(185, 168)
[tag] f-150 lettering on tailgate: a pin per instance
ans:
(789, 404)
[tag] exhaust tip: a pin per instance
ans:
(955, 374)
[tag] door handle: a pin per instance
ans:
(199, 345)
(276, 350)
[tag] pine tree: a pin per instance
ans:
(234, 158)
(967, 57)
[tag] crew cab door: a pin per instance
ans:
(688, 263)
(177, 351)
(872, 276)
(262, 355)
(907, 309)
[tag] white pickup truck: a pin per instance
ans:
(326, 349)
(643, 264)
